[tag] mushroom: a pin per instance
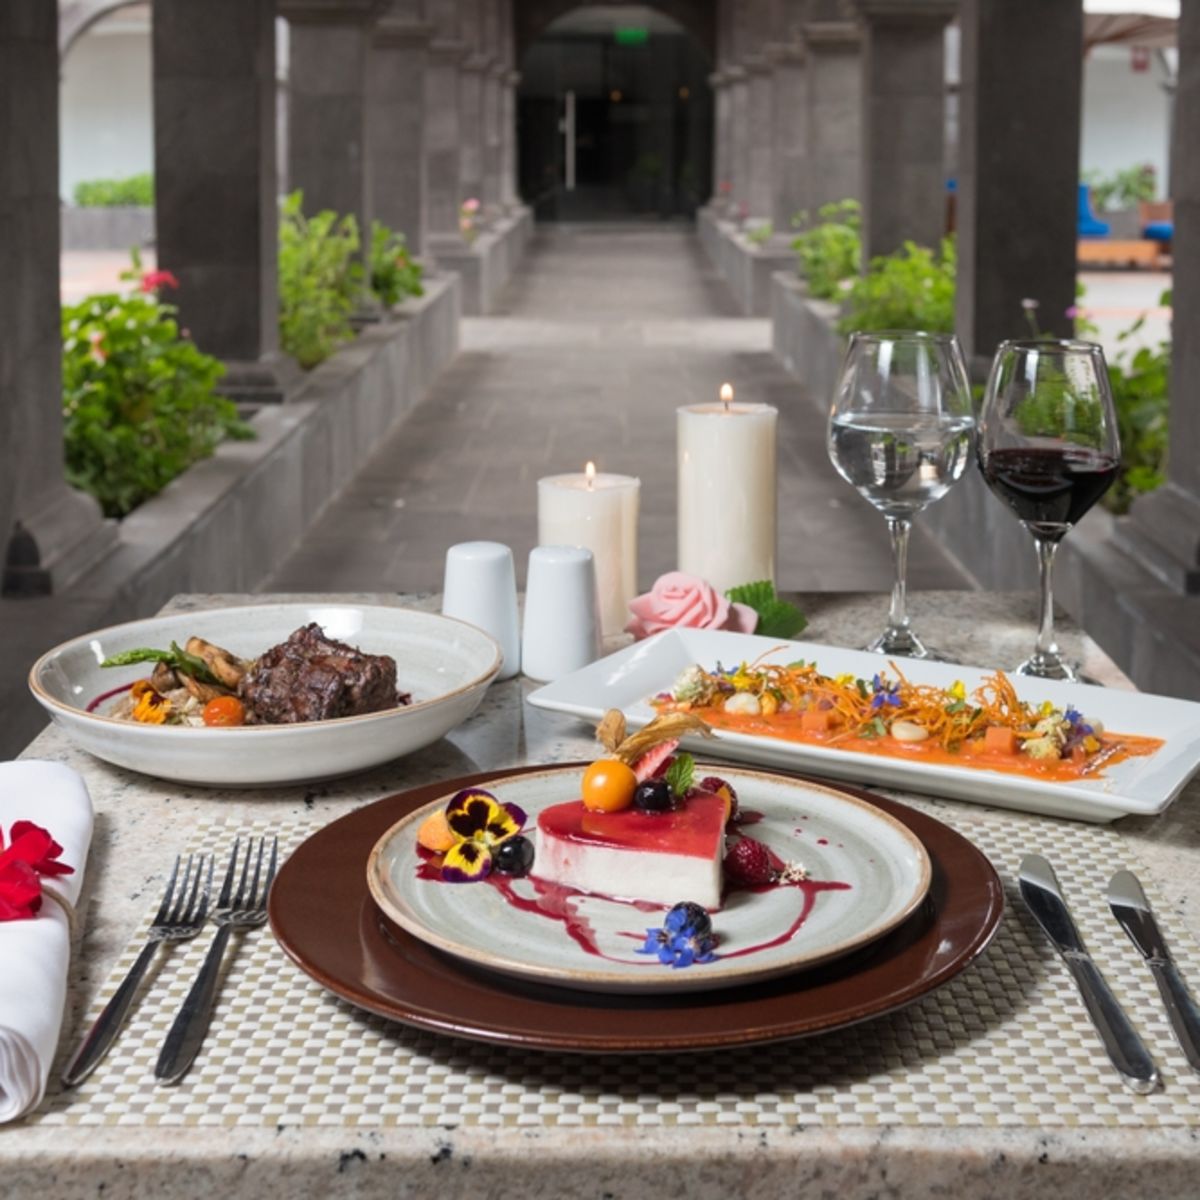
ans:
(204, 692)
(227, 668)
(163, 678)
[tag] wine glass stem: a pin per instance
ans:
(1047, 648)
(898, 528)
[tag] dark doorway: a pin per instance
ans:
(614, 118)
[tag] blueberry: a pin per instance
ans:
(514, 856)
(654, 795)
(690, 916)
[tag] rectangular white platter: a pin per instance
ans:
(1146, 786)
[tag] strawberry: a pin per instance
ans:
(654, 761)
(750, 863)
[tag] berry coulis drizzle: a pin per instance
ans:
(558, 902)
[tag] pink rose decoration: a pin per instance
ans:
(682, 601)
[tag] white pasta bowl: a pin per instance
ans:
(445, 664)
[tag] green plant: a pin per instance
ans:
(1121, 189)
(829, 250)
(135, 190)
(761, 233)
(912, 289)
(138, 399)
(394, 272)
(320, 281)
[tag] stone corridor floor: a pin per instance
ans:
(605, 331)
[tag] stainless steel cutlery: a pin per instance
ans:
(1130, 906)
(1125, 1049)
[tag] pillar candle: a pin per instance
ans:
(727, 496)
(599, 512)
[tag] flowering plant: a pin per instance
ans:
(31, 853)
(468, 216)
(395, 274)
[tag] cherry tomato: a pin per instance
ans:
(224, 710)
(608, 785)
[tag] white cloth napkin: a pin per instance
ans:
(34, 954)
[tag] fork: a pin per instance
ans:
(180, 917)
(233, 911)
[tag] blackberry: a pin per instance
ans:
(654, 796)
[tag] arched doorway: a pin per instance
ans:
(614, 117)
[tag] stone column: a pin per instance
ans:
(739, 134)
(328, 106)
(471, 75)
(445, 194)
(1018, 168)
(1163, 532)
(509, 196)
(904, 121)
(760, 129)
(493, 148)
(834, 111)
(49, 532)
(396, 126)
(216, 193)
(790, 117)
(722, 137)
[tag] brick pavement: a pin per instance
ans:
(605, 332)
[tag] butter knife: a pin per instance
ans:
(1043, 898)
(1130, 906)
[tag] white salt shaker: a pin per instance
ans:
(480, 587)
(562, 623)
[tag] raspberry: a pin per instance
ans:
(719, 787)
(749, 862)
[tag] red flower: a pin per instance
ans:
(31, 854)
(153, 280)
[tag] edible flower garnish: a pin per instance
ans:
(685, 937)
(150, 707)
(479, 823)
(31, 853)
(885, 693)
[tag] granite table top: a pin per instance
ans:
(142, 823)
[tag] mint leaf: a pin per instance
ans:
(776, 617)
(680, 774)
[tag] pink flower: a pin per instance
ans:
(153, 280)
(1072, 312)
(96, 352)
(471, 205)
(678, 600)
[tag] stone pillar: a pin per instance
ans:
(789, 115)
(904, 121)
(834, 111)
(493, 148)
(722, 184)
(49, 532)
(509, 196)
(396, 90)
(216, 193)
(471, 75)
(1163, 532)
(760, 129)
(445, 192)
(1018, 168)
(739, 134)
(328, 105)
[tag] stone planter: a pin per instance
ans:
(744, 265)
(106, 228)
(486, 265)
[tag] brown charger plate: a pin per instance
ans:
(325, 919)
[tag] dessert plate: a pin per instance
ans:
(628, 679)
(338, 935)
(866, 874)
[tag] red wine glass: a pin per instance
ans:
(1048, 447)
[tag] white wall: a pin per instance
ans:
(1126, 114)
(105, 119)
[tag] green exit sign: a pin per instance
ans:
(631, 35)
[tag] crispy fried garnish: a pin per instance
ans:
(664, 728)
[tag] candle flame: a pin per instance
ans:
(590, 472)
(726, 395)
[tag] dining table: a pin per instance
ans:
(993, 1085)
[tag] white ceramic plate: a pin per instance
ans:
(627, 680)
(445, 664)
(836, 837)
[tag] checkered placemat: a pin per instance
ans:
(1006, 1043)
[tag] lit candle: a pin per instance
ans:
(598, 511)
(727, 497)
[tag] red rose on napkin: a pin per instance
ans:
(31, 853)
(678, 600)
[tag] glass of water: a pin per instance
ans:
(901, 430)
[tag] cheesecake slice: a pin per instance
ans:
(658, 858)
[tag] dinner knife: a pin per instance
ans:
(1130, 906)
(1044, 899)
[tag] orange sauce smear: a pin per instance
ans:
(785, 726)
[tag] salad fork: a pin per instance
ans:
(242, 909)
(180, 916)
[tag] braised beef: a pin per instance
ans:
(311, 678)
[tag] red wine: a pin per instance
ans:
(1049, 489)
